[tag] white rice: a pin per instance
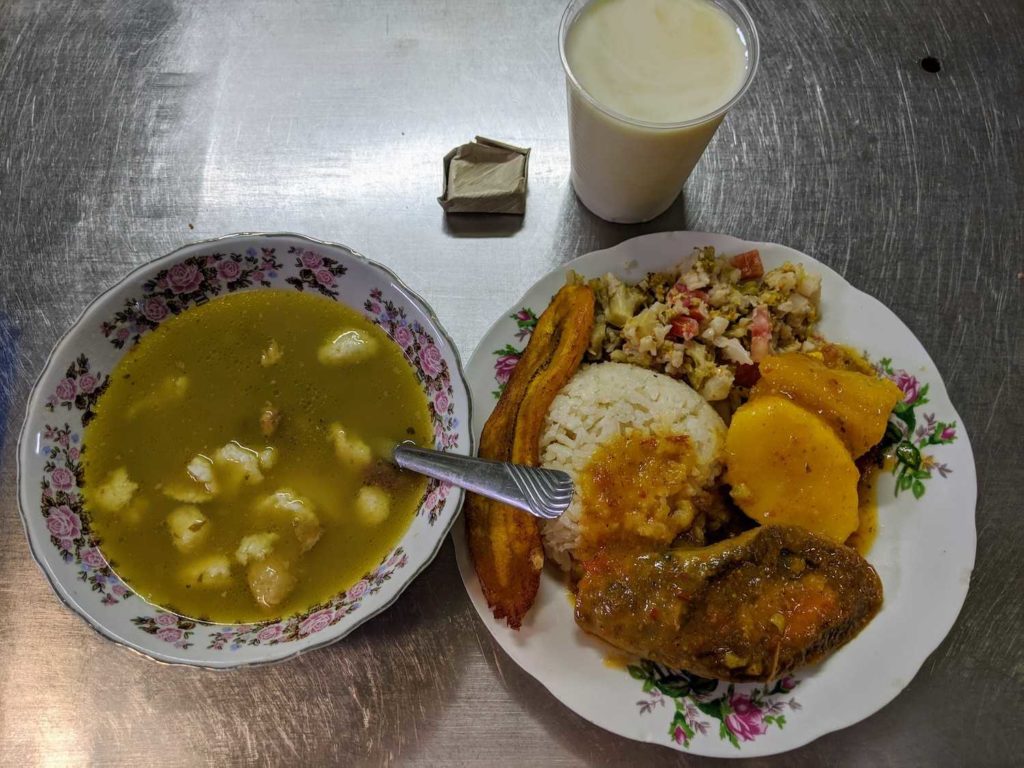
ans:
(601, 402)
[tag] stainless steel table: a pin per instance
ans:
(128, 128)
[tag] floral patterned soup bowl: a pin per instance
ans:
(63, 402)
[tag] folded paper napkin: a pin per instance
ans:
(485, 176)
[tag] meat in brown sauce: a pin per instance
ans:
(754, 607)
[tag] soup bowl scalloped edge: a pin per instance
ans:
(63, 401)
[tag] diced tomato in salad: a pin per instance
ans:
(692, 301)
(684, 327)
(749, 264)
(760, 333)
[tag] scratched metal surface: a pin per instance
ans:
(128, 128)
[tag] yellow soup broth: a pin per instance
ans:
(233, 470)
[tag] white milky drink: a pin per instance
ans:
(649, 81)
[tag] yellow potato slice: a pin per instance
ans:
(855, 405)
(787, 466)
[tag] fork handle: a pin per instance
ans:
(498, 480)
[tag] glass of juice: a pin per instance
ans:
(649, 82)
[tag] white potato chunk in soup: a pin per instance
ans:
(347, 347)
(116, 492)
(255, 546)
(270, 581)
(305, 523)
(235, 464)
(272, 354)
(350, 450)
(200, 469)
(188, 526)
(210, 572)
(373, 505)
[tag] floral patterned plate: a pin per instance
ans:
(63, 401)
(924, 551)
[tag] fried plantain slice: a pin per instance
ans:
(505, 542)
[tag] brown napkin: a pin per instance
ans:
(485, 176)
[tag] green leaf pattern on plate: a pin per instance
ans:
(509, 355)
(909, 433)
(697, 701)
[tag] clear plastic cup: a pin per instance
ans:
(627, 170)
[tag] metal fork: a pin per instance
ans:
(544, 493)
